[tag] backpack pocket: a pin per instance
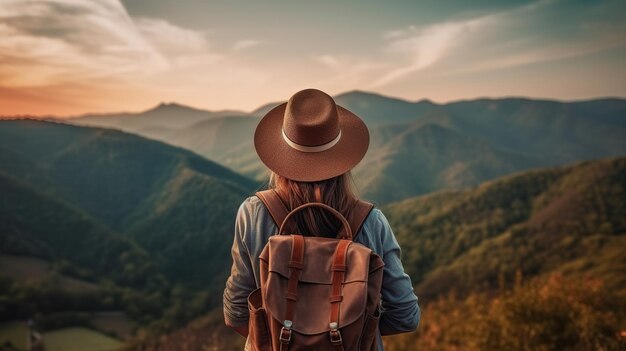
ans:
(370, 329)
(258, 328)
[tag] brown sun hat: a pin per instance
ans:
(310, 138)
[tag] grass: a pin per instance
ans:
(115, 323)
(14, 334)
(24, 268)
(79, 339)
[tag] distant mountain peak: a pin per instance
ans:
(356, 93)
(426, 101)
(362, 94)
(172, 106)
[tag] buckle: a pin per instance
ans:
(285, 332)
(335, 334)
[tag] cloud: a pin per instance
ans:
(426, 46)
(45, 42)
(530, 34)
(535, 55)
(396, 33)
(246, 44)
(347, 71)
(86, 54)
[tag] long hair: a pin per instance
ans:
(338, 192)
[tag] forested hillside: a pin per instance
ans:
(145, 225)
(415, 147)
(530, 261)
(568, 220)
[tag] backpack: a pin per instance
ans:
(316, 293)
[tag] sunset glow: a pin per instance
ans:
(68, 57)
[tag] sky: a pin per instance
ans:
(70, 57)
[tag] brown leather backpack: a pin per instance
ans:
(316, 293)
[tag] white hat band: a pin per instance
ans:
(316, 148)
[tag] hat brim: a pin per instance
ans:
(302, 166)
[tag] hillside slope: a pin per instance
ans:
(464, 248)
(569, 219)
(37, 224)
(535, 133)
(426, 157)
(164, 117)
(172, 202)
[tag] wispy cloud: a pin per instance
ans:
(84, 54)
(246, 44)
(44, 42)
(426, 46)
(516, 49)
(499, 40)
(345, 72)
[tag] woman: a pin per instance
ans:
(310, 145)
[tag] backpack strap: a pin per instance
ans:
(358, 215)
(278, 210)
(296, 265)
(274, 204)
(339, 270)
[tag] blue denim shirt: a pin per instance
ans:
(254, 225)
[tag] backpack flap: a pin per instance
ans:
(313, 306)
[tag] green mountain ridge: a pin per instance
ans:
(426, 157)
(37, 224)
(498, 192)
(539, 132)
(568, 219)
(132, 185)
(165, 115)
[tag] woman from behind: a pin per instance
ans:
(310, 145)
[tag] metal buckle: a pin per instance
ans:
(335, 334)
(285, 332)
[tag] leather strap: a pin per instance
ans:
(278, 210)
(357, 216)
(296, 265)
(336, 296)
(274, 204)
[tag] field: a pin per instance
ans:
(14, 334)
(67, 339)
(24, 268)
(115, 322)
(79, 339)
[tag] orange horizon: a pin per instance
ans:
(69, 58)
(20, 105)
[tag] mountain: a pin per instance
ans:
(424, 158)
(227, 140)
(559, 131)
(171, 202)
(569, 220)
(508, 254)
(374, 109)
(156, 122)
(38, 224)
(482, 139)
(514, 134)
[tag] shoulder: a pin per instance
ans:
(376, 219)
(248, 207)
(251, 202)
(252, 209)
(374, 230)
